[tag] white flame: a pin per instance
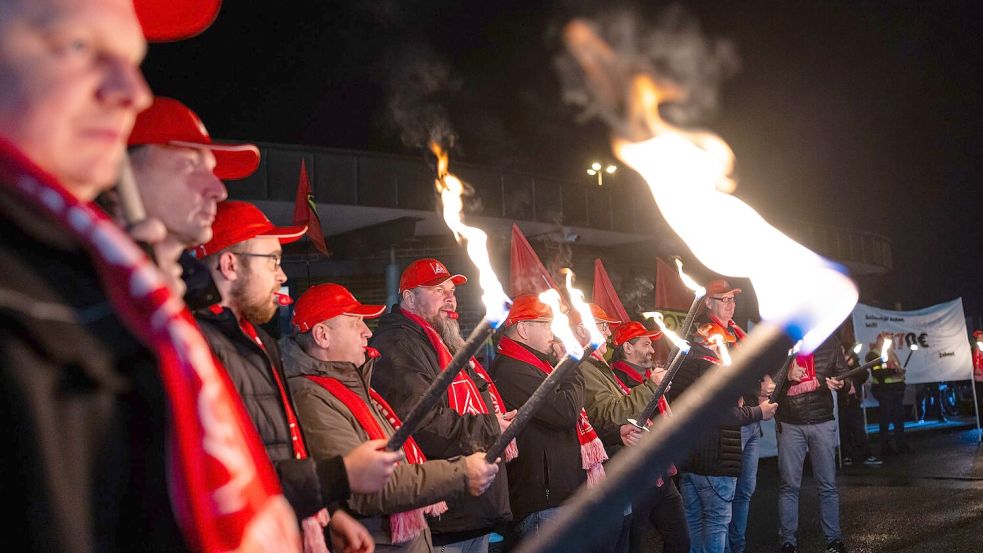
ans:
(914, 347)
(582, 307)
(451, 190)
(886, 347)
(858, 347)
(721, 348)
(698, 290)
(561, 324)
(683, 345)
(979, 346)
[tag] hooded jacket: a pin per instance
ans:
(401, 376)
(331, 430)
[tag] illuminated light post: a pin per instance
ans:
(598, 170)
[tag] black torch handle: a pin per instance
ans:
(687, 324)
(529, 408)
(859, 370)
(781, 377)
(653, 404)
(438, 387)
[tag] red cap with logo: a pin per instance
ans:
(720, 286)
(427, 272)
(327, 301)
(168, 122)
(168, 20)
(237, 222)
(527, 307)
(632, 330)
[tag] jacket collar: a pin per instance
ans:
(297, 363)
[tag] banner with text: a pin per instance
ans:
(939, 332)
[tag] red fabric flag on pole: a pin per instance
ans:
(670, 292)
(305, 211)
(605, 295)
(527, 274)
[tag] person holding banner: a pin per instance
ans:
(417, 340)
(329, 368)
(889, 389)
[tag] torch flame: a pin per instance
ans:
(451, 190)
(886, 347)
(718, 340)
(914, 347)
(698, 290)
(582, 307)
(857, 347)
(979, 346)
(689, 169)
(683, 345)
(561, 324)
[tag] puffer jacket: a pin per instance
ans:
(331, 429)
(817, 406)
(718, 451)
(401, 376)
(309, 486)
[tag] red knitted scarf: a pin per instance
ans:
(592, 454)
(463, 395)
(407, 525)
(223, 489)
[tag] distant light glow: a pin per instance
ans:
(857, 347)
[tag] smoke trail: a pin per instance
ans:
(418, 83)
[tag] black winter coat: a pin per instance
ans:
(814, 407)
(548, 469)
(407, 367)
(309, 486)
(83, 461)
(718, 451)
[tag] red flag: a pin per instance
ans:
(605, 295)
(527, 275)
(670, 292)
(305, 211)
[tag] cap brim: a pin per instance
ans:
(169, 20)
(285, 234)
(456, 279)
(232, 161)
(367, 311)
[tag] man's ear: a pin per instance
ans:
(406, 298)
(229, 265)
(321, 336)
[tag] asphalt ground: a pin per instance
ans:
(929, 500)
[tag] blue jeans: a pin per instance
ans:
(707, 502)
(746, 482)
(531, 523)
(819, 441)
(473, 545)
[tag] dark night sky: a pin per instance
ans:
(858, 114)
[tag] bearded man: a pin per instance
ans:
(417, 340)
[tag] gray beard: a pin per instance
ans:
(449, 331)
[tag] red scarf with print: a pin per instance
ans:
(224, 492)
(592, 454)
(407, 525)
(463, 395)
(809, 382)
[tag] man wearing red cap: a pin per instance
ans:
(552, 462)
(417, 340)
(329, 367)
(977, 346)
(125, 434)
(612, 401)
(244, 256)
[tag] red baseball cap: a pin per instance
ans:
(168, 122)
(237, 222)
(327, 301)
(721, 286)
(634, 329)
(169, 20)
(427, 272)
(527, 307)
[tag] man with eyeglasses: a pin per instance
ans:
(244, 256)
(417, 339)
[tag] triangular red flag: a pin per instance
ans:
(605, 295)
(305, 211)
(527, 274)
(670, 292)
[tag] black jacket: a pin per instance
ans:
(814, 407)
(548, 469)
(309, 486)
(83, 460)
(718, 451)
(407, 367)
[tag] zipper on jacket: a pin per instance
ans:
(546, 477)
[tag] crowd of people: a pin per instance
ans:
(152, 411)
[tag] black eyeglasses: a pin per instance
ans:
(277, 258)
(724, 300)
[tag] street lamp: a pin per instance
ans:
(597, 170)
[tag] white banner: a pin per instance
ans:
(939, 332)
